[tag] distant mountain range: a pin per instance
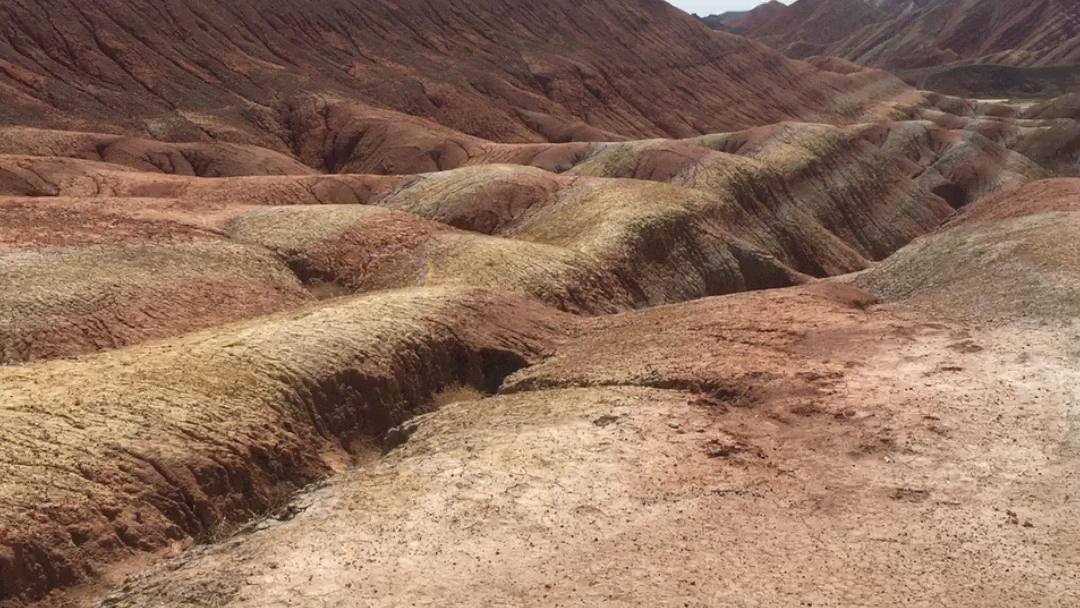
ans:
(908, 34)
(724, 21)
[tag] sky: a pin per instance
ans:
(712, 7)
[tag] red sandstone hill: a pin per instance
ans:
(760, 16)
(909, 34)
(273, 72)
(816, 22)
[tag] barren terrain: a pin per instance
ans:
(918, 33)
(976, 48)
(732, 453)
(479, 303)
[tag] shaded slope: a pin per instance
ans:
(993, 81)
(825, 198)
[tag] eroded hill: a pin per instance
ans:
(904, 34)
(480, 268)
(288, 76)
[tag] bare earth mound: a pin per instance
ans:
(989, 272)
(1009, 257)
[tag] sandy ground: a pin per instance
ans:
(933, 466)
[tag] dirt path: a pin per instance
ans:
(932, 467)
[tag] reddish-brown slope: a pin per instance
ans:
(807, 26)
(1015, 32)
(929, 32)
(271, 72)
(760, 16)
(204, 159)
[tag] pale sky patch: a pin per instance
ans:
(713, 7)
